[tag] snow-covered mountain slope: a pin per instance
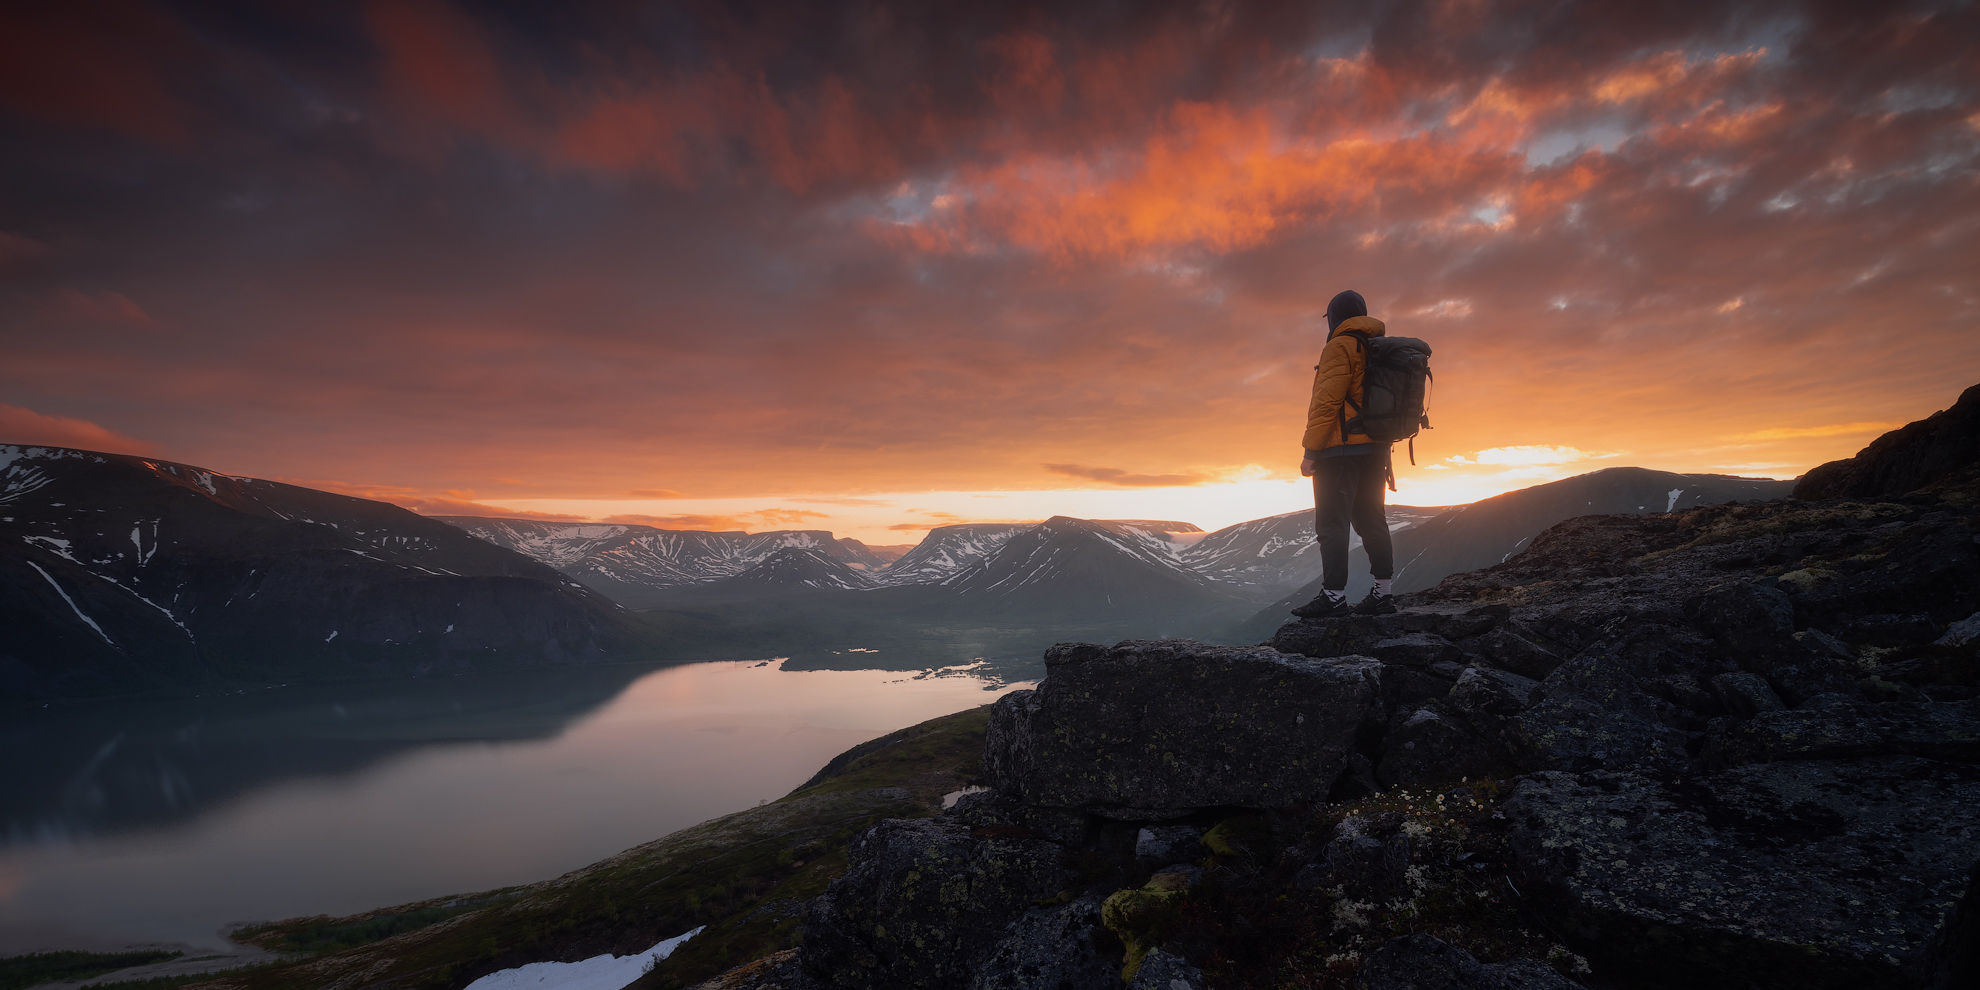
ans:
(631, 562)
(1069, 566)
(800, 567)
(1276, 554)
(1164, 536)
(948, 550)
(122, 573)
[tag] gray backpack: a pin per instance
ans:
(1395, 391)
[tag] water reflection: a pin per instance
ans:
(102, 769)
(166, 821)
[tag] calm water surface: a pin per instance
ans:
(166, 821)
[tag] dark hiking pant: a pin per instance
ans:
(1349, 489)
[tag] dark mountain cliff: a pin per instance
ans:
(1945, 444)
(123, 574)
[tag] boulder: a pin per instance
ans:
(1888, 629)
(1745, 694)
(1816, 676)
(1165, 845)
(1424, 962)
(990, 809)
(1050, 948)
(1154, 729)
(1506, 647)
(1166, 971)
(1428, 747)
(924, 902)
(1947, 730)
(1417, 649)
(1357, 635)
(1821, 642)
(1406, 687)
(1804, 874)
(1591, 714)
(1482, 693)
(1960, 633)
(1143, 917)
(1754, 622)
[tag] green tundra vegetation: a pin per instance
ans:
(744, 877)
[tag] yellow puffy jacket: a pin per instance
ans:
(1336, 379)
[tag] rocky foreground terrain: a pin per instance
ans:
(1733, 746)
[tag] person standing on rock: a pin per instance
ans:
(1349, 470)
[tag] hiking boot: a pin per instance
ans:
(1376, 604)
(1323, 607)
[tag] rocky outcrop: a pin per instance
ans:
(1050, 947)
(1166, 971)
(1424, 962)
(1735, 745)
(1156, 730)
(1843, 730)
(924, 903)
(1903, 460)
(1803, 874)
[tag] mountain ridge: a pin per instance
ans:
(123, 573)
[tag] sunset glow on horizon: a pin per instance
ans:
(867, 268)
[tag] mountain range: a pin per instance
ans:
(631, 562)
(124, 574)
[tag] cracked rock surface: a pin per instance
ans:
(1798, 874)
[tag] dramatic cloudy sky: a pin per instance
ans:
(767, 264)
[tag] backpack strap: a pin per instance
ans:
(1361, 341)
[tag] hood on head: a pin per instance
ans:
(1344, 306)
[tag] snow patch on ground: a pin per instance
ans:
(606, 972)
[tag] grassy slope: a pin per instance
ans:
(743, 875)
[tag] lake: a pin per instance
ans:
(169, 820)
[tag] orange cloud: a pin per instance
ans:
(716, 524)
(458, 507)
(949, 519)
(788, 516)
(451, 503)
(25, 426)
(654, 493)
(1116, 476)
